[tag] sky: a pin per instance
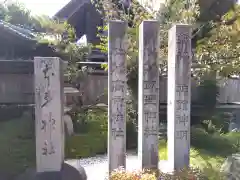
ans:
(47, 7)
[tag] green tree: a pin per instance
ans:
(16, 14)
(219, 51)
(59, 35)
(134, 16)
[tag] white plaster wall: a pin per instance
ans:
(152, 4)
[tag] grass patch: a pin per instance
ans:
(198, 158)
(85, 145)
(208, 151)
(17, 150)
(203, 160)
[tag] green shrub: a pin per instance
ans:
(216, 124)
(217, 143)
(80, 124)
(91, 130)
(91, 141)
(83, 121)
(234, 139)
(132, 136)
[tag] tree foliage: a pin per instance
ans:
(16, 14)
(220, 50)
(217, 50)
(134, 15)
(54, 33)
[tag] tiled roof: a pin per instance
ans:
(72, 7)
(16, 31)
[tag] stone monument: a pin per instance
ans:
(116, 94)
(49, 124)
(49, 114)
(179, 96)
(148, 101)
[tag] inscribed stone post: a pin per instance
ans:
(49, 114)
(116, 94)
(148, 101)
(179, 96)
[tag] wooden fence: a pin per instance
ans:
(16, 86)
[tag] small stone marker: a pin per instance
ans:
(49, 114)
(148, 102)
(179, 96)
(68, 123)
(116, 94)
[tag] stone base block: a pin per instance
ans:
(165, 167)
(68, 172)
(231, 167)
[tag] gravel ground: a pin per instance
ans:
(97, 167)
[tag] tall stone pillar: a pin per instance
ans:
(179, 96)
(49, 114)
(116, 94)
(148, 96)
(49, 124)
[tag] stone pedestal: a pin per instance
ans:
(116, 94)
(148, 96)
(230, 168)
(179, 96)
(67, 172)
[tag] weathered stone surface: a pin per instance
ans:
(179, 96)
(231, 167)
(49, 114)
(68, 124)
(68, 172)
(148, 101)
(234, 125)
(116, 94)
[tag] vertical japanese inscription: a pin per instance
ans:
(49, 113)
(182, 105)
(118, 86)
(183, 79)
(116, 94)
(150, 86)
(148, 102)
(183, 45)
(151, 127)
(179, 95)
(182, 85)
(48, 126)
(47, 73)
